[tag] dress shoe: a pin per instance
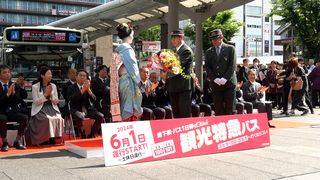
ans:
(18, 145)
(271, 126)
(305, 112)
(5, 146)
(284, 113)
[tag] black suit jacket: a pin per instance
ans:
(64, 91)
(148, 101)
(222, 66)
(78, 100)
(162, 95)
(249, 93)
(243, 75)
(12, 102)
(177, 83)
(102, 92)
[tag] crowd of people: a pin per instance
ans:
(147, 94)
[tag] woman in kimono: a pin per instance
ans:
(129, 77)
(46, 123)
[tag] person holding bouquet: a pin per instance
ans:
(179, 86)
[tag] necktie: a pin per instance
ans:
(218, 50)
(5, 88)
(147, 89)
(104, 81)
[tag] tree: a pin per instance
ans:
(223, 20)
(304, 16)
(150, 34)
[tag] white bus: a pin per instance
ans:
(25, 48)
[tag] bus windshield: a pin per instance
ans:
(26, 48)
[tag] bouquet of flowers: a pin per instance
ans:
(166, 60)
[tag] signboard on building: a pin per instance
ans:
(151, 46)
(141, 141)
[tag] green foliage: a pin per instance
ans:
(304, 15)
(150, 34)
(223, 20)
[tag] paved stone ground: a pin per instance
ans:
(294, 154)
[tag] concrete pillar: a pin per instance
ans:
(164, 35)
(173, 17)
(104, 49)
(199, 50)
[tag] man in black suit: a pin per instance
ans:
(10, 101)
(253, 92)
(163, 99)
(100, 86)
(72, 74)
(81, 106)
(147, 88)
(179, 87)
(220, 65)
(243, 72)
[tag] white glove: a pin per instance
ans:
(223, 81)
(217, 81)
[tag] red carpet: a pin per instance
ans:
(86, 143)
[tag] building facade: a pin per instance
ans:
(40, 12)
(257, 36)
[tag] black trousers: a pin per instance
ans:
(224, 101)
(286, 90)
(244, 105)
(13, 117)
(181, 104)
(155, 113)
(315, 97)
(297, 100)
(263, 107)
(92, 114)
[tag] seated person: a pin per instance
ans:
(253, 92)
(240, 103)
(81, 107)
(197, 105)
(72, 74)
(149, 97)
(163, 99)
(10, 98)
(100, 86)
(46, 123)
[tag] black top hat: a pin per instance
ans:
(177, 32)
(216, 33)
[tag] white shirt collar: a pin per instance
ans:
(179, 46)
(219, 46)
(79, 86)
(72, 82)
(2, 83)
(102, 79)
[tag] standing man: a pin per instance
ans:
(179, 87)
(221, 69)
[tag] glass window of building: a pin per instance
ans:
(3, 17)
(254, 11)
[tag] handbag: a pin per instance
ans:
(297, 84)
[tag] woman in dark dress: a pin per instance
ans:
(295, 73)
